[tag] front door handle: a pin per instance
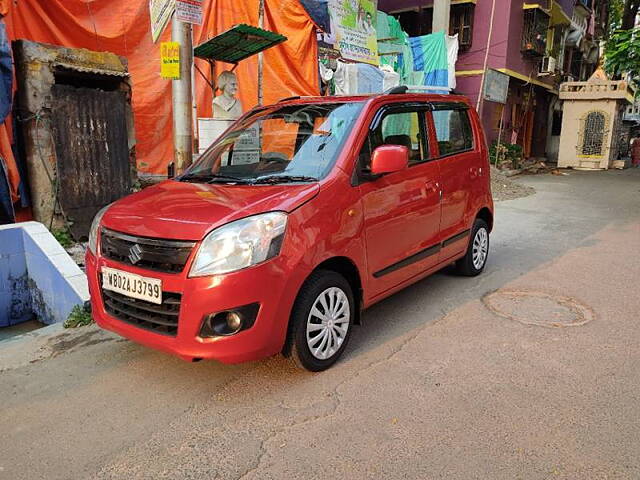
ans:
(434, 187)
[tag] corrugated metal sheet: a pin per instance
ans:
(238, 43)
(90, 132)
(97, 71)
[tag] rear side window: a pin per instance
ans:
(453, 131)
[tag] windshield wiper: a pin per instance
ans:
(272, 179)
(212, 178)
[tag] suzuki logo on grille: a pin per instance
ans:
(135, 254)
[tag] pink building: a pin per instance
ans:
(538, 45)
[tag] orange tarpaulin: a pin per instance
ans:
(123, 27)
(7, 154)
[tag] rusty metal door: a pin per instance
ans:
(90, 132)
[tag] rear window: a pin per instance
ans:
(453, 131)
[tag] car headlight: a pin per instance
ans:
(240, 244)
(93, 232)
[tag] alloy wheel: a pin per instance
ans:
(328, 323)
(480, 248)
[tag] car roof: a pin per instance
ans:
(383, 97)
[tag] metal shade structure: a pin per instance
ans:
(238, 43)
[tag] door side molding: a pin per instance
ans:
(421, 255)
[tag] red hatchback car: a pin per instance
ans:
(300, 216)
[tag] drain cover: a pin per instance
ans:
(538, 308)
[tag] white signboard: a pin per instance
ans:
(496, 86)
(189, 11)
(160, 12)
(246, 149)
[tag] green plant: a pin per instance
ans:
(79, 317)
(63, 236)
(506, 152)
(622, 54)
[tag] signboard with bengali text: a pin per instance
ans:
(160, 12)
(353, 23)
(170, 60)
(189, 11)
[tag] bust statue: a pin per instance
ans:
(226, 106)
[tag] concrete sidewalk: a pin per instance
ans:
(434, 385)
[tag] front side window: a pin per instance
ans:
(401, 128)
(290, 143)
(453, 131)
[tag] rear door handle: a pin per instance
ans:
(475, 172)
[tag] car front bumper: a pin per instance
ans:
(271, 285)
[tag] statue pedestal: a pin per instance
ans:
(210, 130)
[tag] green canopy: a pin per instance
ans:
(238, 43)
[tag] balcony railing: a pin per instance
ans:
(534, 32)
(597, 90)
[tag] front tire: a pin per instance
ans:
(322, 320)
(474, 261)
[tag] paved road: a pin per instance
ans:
(441, 382)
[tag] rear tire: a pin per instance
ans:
(322, 320)
(474, 261)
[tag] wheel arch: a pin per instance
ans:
(348, 269)
(486, 215)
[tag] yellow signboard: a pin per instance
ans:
(170, 60)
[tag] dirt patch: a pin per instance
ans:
(77, 252)
(505, 188)
(67, 342)
(538, 308)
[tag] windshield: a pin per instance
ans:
(296, 143)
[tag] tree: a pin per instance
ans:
(622, 53)
(629, 14)
(616, 10)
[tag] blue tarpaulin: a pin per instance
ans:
(6, 208)
(6, 73)
(6, 81)
(431, 58)
(318, 10)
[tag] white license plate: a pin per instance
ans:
(132, 285)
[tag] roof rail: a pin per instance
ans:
(399, 90)
(402, 89)
(286, 99)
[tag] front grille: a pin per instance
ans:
(150, 316)
(169, 256)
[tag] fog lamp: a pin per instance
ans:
(229, 322)
(234, 321)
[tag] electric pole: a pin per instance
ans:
(260, 55)
(182, 96)
(441, 15)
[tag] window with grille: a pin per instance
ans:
(534, 32)
(461, 23)
(593, 134)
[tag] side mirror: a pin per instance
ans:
(389, 159)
